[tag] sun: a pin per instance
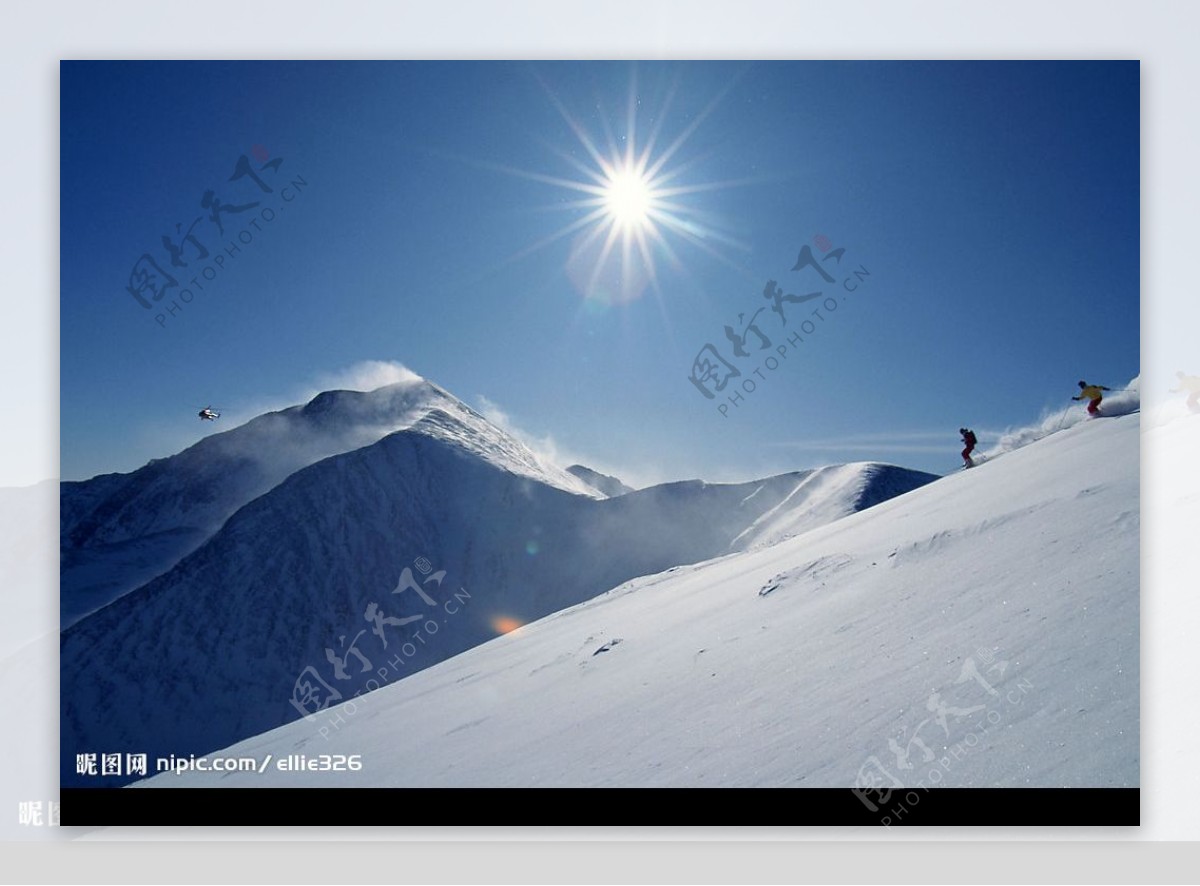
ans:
(630, 209)
(629, 199)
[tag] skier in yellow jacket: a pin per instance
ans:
(1091, 392)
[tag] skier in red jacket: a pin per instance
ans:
(968, 438)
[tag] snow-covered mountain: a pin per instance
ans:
(979, 631)
(610, 486)
(310, 571)
(119, 531)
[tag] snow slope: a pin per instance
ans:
(118, 531)
(210, 651)
(796, 664)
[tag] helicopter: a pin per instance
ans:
(207, 414)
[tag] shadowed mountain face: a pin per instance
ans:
(314, 575)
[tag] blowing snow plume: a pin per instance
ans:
(1121, 402)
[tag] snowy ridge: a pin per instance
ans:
(824, 495)
(207, 481)
(472, 433)
(810, 661)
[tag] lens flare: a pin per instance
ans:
(504, 624)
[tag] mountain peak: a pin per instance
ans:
(610, 486)
(120, 530)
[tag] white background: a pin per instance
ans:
(1162, 35)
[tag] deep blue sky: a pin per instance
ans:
(996, 206)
